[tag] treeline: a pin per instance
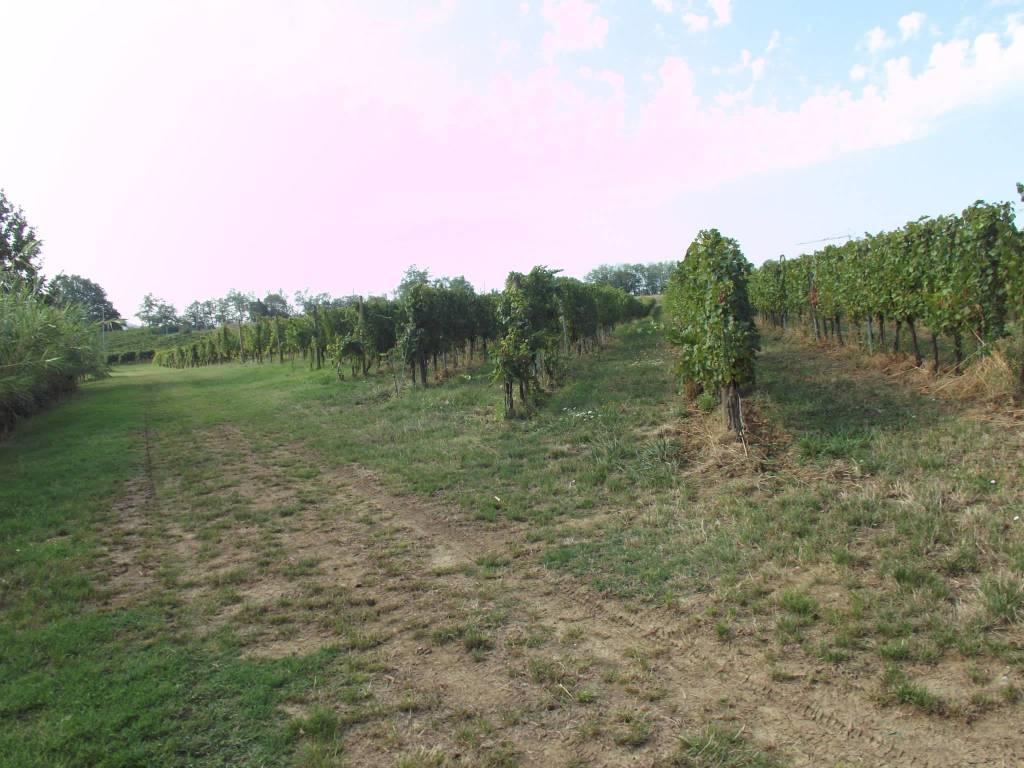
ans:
(636, 279)
(961, 277)
(49, 339)
(430, 324)
(236, 307)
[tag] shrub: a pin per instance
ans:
(711, 320)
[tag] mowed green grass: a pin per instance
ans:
(880, 534)
(81, 686)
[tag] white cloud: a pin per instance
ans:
(773, 42)
(858, 73)
(902, 106)
(695, 22)
(757, 68)
(877, 40)
(722, 10)
(665, 6)
(911, 24)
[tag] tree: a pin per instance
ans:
(413, 276)
(65, 290)
(306, 300)
(19, 246)
(711, 320)
(158, 314)
(201, 316)
(637, 279)
(625, 277)
(276, 305)
(655, 277)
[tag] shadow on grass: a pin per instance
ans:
(833, 408)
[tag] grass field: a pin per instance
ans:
(257, 565)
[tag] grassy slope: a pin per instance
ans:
(876, 539)
(146, 339)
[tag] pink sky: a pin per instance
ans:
(187, 148)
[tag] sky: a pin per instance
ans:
(188, 147)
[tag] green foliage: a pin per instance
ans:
(158, 314)
(635, 279)
(710, 317)
(73, 289)
(962, 276)
(442, 319)
(45, 351)
(271, 305)
(19, 247)
(530, 319)
(542, 319)
(578, 306)
(201, 315)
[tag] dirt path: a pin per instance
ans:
(479, 653)
(834, 722)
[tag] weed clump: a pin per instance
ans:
(898, 688)
(1004, 598)
(716, 747)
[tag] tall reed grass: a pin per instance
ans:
(45, 351)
